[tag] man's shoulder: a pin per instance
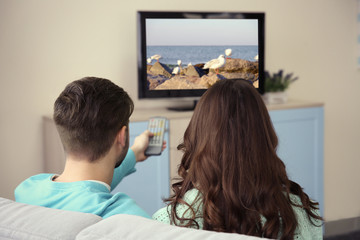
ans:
(36, 179)
(122, 203)
(81, 196)
(41, 176)
(30, 187)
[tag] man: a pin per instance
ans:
(92, 118)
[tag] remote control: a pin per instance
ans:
(156, 125)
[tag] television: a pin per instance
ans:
(181, 54)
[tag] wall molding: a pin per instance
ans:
(342, 226)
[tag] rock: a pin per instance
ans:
(194, 77)
(240, 66)
(181, 82)
(161, 69)
(210, 79)
(193, 71)
(155, 80)
(247, 76)
(148, 67)
(200, 66)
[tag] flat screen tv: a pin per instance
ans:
(181, 54)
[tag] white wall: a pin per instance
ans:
(46, 44)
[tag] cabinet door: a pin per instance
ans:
(300, 133)
(150, 183)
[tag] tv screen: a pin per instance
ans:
(181, 54)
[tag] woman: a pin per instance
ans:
(231, 179)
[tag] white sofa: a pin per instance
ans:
(22, 221)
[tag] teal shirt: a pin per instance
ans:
(81, 196)
(305, 229)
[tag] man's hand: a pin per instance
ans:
(141, 142)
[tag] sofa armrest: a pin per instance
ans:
(128, 227)
(22, 221)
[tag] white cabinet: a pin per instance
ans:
(301, 147)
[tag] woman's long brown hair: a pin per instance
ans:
(230, 157)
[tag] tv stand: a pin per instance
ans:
(184, 108)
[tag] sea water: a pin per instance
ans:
(199, 54)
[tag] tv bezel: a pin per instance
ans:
(145, 93)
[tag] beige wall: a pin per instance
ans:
(46, 44)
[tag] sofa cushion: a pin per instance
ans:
(128, 227)
(22, 221)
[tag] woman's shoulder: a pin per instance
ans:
(192, 195)
(193, 199)
(306, 229)
(163, 215)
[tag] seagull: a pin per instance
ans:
(256, 58)
(215, 63)
(179, 63)
(149, 60)
(178, 69)
(156, 56)
(228, 53)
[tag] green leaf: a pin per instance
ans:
(278, 81)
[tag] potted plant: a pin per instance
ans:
(276, 85)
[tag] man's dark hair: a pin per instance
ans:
(88, 115)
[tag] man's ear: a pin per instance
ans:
(121, 136)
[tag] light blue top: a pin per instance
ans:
(81, 196)
(305, 229)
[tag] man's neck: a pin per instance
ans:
(80, 169)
